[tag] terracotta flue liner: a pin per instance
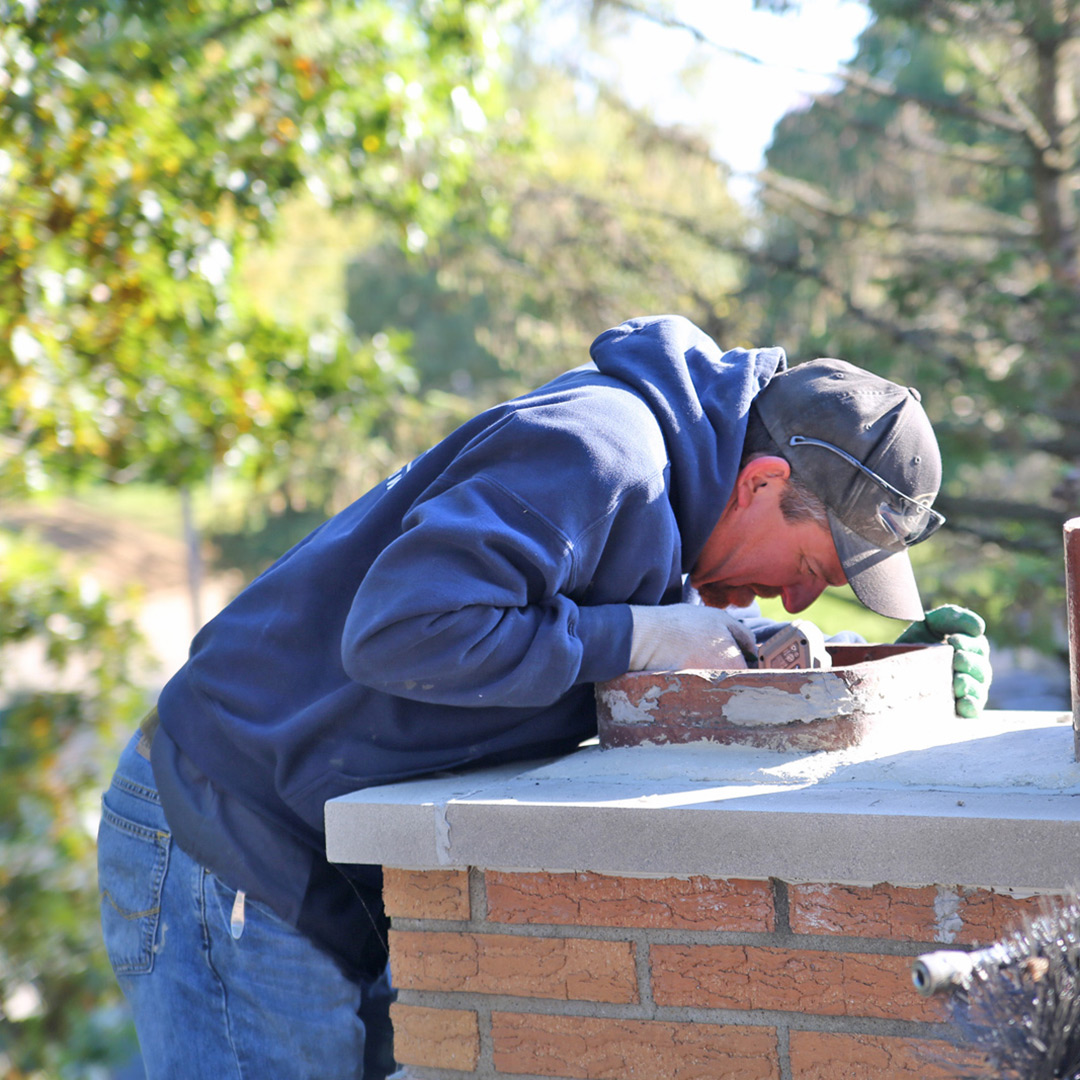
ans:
(799, 709)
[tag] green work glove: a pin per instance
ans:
(965, 632)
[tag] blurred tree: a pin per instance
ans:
(55, 759)
(923, 221)
(611, 215)
(144, 147)
(602, 215)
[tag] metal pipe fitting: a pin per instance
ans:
(947, 969)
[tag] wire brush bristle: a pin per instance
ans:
(1019, 1009)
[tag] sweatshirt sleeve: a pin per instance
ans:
(471, 606)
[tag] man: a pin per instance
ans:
(458, 615)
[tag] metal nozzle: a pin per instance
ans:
(933, 972)
(937, 971)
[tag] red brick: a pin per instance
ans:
(596, 1049)
(426, 894)
(560, 968)
(881, 911)
(947, 915)
(694, 706)
(697, 903)
(438, 1038)
(808, 981)
(988, 915)
(817, 1055)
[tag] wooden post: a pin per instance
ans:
(1072, 599)
(194, 558)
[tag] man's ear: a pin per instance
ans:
(758, 473)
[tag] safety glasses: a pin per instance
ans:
(907, 519)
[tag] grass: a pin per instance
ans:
(147, 506)
(158, 508)
(836, 610)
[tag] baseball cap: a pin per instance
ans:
(865, 447)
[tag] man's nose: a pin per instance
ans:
(796, 598)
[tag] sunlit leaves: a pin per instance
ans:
(144, 147)
(54, 980)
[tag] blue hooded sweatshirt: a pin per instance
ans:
(457, 614)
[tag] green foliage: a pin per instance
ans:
(923, 222)
(57, 994)
(383, 286)
(837, 610)
(143, 147)
(261, 537)
(602, 215)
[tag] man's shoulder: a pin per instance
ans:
(597, 417)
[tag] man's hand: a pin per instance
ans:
(966, 633)
(676, 636)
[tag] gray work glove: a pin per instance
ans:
(965, 632)
(673, 637)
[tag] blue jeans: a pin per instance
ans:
(206, 1003)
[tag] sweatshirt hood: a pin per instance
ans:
(700, 396)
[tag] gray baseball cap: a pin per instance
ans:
(865, 447)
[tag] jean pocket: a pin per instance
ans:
(132, 860)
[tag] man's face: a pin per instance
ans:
(754, 551)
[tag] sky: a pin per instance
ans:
(736, 103)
